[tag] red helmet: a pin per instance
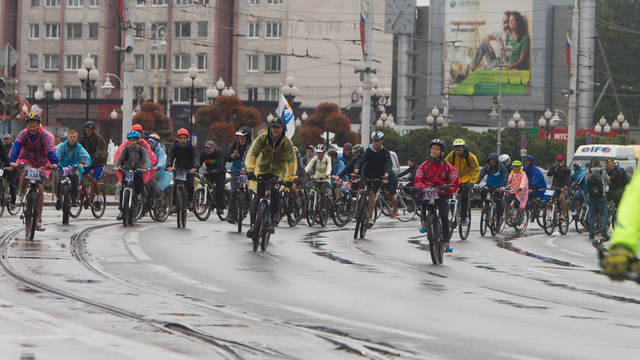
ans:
(183, 131)
(137, 127)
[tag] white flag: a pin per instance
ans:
(286, 114)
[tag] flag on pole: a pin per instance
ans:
(363, 18)
(286, 114)
(569, 53)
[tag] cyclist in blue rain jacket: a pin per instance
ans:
(537, 185)
(497, 177)
(70, 153)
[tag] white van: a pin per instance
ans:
(625, 156)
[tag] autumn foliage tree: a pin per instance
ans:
(215, 118)
(152, 119)
(326, 118)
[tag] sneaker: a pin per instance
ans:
(395, 215)
(232, 221)
(20, 198)
(191, 205)
(87, 202)
(591, 237)
(119, 217)
(465, 222)
(13, 207)
(174, 209)
(423, 228)
(58, 204)
(251, 232)
(220, 212)
(74, 201)
(606, 237)
(447, 247)
(39, 225)
(274, 220)
(370, 223)
(520, 219)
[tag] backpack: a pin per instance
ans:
(595, 189)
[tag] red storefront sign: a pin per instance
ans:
(104, 113)
(563, 134)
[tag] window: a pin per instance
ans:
(274, 30)
(272, 63)
(75, 3)
(93, 30)
(35, 2)
(32, 90)
(74, 62)
(141, 2)
(74, 31)
(254, 2)
(203, 29)
(94, 3)
(162, 26)
(274, 2)
(254, 30)
(34, 31)
(183, 2)
(160, 2)
(73, 92)
(252, 94)
(252, 63)
(202, 2)
(181, 62)
(52, 3)
(33, 62)
(139, 62)
(271, 94)
(139, 30)
(202, 61)
(180, 94)
(200, 95)
(138, 92)
(162, 92)
(162, 62)
(183, 29)
(52, 31)
(95, 60)
(51, 62)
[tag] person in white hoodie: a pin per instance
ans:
(322, 166)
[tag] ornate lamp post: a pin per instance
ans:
(515, 124)
(192, 82)
(547, 122)
(47, 102)
(88, 75)
(619, 124)
(435, 120)
(602, 128)
(289, 90)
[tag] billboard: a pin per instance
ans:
(478, 37)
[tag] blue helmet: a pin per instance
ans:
(133, 134)
(439, 142)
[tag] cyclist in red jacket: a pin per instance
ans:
(433, 173)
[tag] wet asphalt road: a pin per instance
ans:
(94, 289)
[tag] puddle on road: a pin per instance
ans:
(29, 290)
(420, 245)
(311, 240)
(83, 281)
(431, 285)
(505, 244)
(182, 314)
(591, 292)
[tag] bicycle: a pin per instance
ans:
(345, 206)
(535, 212)
(315, 214)
(263, 227)
(434, 227)
(5, 196)
(552, 215)
(405, 205)
(612, 213)
(158, 211)
(489, 218)
(289, 207)
(96, 210)
(65, 192)
(362, 205)
(129, 203)
(31, 203)
(511, 217)
(455, 216)
(204, 199)
(243, 200)
(179, 180)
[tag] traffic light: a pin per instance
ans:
(15, 109)
(11, 105)
(3, 94)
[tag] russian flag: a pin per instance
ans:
(569, 54)
(363, 18)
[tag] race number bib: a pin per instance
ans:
(181, 175)
(243, 180)
(549, 192)
(346, 185)
(128, 176)
(431, 194)
(32, 174)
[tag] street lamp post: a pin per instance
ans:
(435, 120)
(516, 123)
(547, 122)
(192, 82)
(47, 102)
(379, 95)
(602, 128)
(289, 90)
(506, 51)
(88, 76)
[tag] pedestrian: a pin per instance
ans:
(596, 179)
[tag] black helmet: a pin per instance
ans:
(443, 146)
(332, 153)
(90, 125)
(358, 148)
(32, 116)
(347, 146)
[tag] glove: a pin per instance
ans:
(288, 184)
(619, 261)
(251, 175)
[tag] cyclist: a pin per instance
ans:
(235, 155)
(358, 150)
(336, 167)
(411, 171)
(321, 166)
(70, 153)
(160, 179)
(618, 182)
(271, 155)
(624, 241)
(186, 158)
(347, 153)
(497, 177)
(132, 157)
(215, 172)
(11, 176)
(375, 163)
(310, 154)
(34, 146)
(95, 145)
(596, 179)
(506, 161)
(466, 165)
(561, 181)
(579, 183)
(433, 173)
(519, 186)
(537, 185)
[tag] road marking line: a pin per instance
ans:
(137, 252)
(542, 272)
(179, 277)
(573, 253)
(345, 321)
(549, 242)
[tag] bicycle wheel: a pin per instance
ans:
(65, 204)
(125, 207)
(495, 224)
(361, 212)
(97, 213)
(161, 211)
(563, 225)
(614, 215)
(540, 215)
(522, 227)
(341, 212)
(311, 212)
(323, 216)
(29, 219)
(548, 219)
(225, 211)
(581, 219)
(379, 208)
(433, 236)
(385, 207)
(263, 212)
(464, 230)
(179, 204)
(240, 209)
(4, 197)
(139, 208)
(485, 219)
(75, 211)
(266, 231)
(202, 205)
(406, 208)
(15, 210)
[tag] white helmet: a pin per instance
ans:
(377, 135)
(505, 159)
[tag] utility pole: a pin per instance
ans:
(129, 67)
(366, 85)
(573, 79)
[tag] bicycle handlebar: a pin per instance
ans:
(602, 254)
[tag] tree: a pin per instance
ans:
(223, 132)
(152, 119)
(326, 118)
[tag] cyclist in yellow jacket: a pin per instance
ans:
(468, 170)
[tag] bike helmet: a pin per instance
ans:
(332, 153)
(443, 146)
(137, 127)
(32, 116)
(241, 132)
(505, 159)
(321, 148)
(459, 142)
(182, 131)
(377, 135)
(577, 164)
(7, 136)
(295, 149)
(146, 134)
(90, 125)
(154, 136)
(358, 148)
(347, 146)
(133, 134)
(310, 147)
(516, 163)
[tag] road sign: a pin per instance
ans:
(523, 142)
(523, 152)
(13, 57)
(589, 139)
